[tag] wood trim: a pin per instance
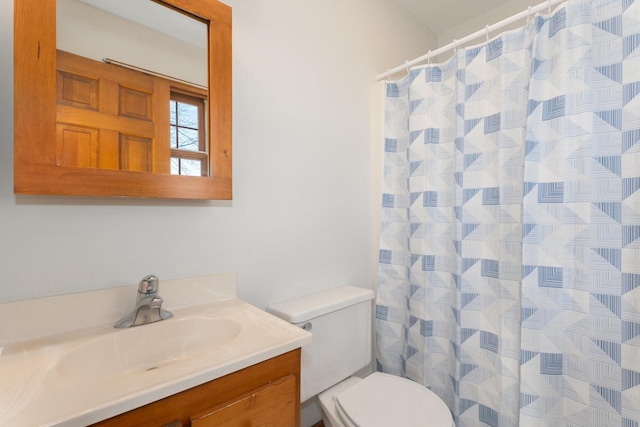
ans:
(34, 82)
(64, 181)
(161, 142)
(220, 84)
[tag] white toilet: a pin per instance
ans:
(340, 320)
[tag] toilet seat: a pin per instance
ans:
(382, 400)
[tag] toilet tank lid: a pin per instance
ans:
(309, 307)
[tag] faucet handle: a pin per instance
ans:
(149, 285)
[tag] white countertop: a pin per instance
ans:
(34, 391)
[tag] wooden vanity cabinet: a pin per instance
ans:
(263, 395)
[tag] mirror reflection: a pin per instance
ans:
(132, 87)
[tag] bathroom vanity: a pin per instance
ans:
(265, 394)
(217, 361)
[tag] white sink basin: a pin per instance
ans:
(147, 347)
(62, 364)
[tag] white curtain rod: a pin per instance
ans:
(485, 32)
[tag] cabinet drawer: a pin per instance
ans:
(271, 405)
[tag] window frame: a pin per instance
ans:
(200, 101)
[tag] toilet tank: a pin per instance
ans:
(340, 321)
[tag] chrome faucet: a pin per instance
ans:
(148, 307)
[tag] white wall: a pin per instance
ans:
(301, 218)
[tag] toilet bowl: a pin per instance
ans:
(340, 321)
(382, 400)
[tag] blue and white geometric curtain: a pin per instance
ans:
(509, 271)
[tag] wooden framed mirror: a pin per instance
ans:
(42, 167)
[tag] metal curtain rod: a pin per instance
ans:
(150, 72)
(484, 32)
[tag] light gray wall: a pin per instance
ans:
(301, 218)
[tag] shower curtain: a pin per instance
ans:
(509, 267)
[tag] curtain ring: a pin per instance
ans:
(549, 7)
(406, 66)
(455, 48)
(487, 33)
(528, 14)
(428, 58)
(389, 75)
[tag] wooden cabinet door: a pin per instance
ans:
(271, 405)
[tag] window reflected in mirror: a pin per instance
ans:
(187, 135)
